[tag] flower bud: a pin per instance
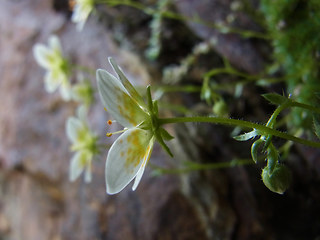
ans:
(220, 108)
(279, 180)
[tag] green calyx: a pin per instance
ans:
(160, 133)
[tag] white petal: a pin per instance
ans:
(87, 173)
(117, 101)
(76, 166)
(65, 92)
(50, 83)
(42, 54)
(125, 158)
(80, 15)
(54, 43)
(82, 113)
(72, 128)
(126, 83)
(143, 166)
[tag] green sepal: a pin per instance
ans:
(165, 135)
(155, 107)
(275, 98)
(272, 157)
(163, 144)
(279, 180)
(255, 149)
(149, 99)
(246, 136)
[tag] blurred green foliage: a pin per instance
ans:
(294, 28)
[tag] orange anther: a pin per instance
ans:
(109, 122)
(109, 134)
(72, 3)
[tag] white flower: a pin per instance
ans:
(84, 142)
(81, 11)
(52, 60)
(130, 153)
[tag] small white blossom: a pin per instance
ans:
(81, 11)
(50, 58)
(84, 143)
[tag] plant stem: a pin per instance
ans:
(176, 16)
(191, 166)
(240, 123)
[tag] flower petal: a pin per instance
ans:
(42, 55)
(88, 170)
(54, 44)
(143, 166)
(50, 82)
(65, 91)
(73, 126)
(126, 83)
(117, 100)
(76, 165)
(125, 157)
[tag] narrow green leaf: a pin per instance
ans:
(275, 98)
(255, 149)
(163, 144)
(165, 135)
(246, 136)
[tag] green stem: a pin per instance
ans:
(248, 78)
(240, 123)
(176, 16)
(171, 88)
(191, 166)
(275, 114)
(305, 106)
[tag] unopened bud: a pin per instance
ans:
(279, 180)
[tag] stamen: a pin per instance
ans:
(105, 109)
(110, 122)
(121, 131)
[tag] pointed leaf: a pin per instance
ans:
(163, 144)
(246, 136)
(255, 150)
(275, 98)
(165, 135)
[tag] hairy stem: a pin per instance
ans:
(240, 123)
